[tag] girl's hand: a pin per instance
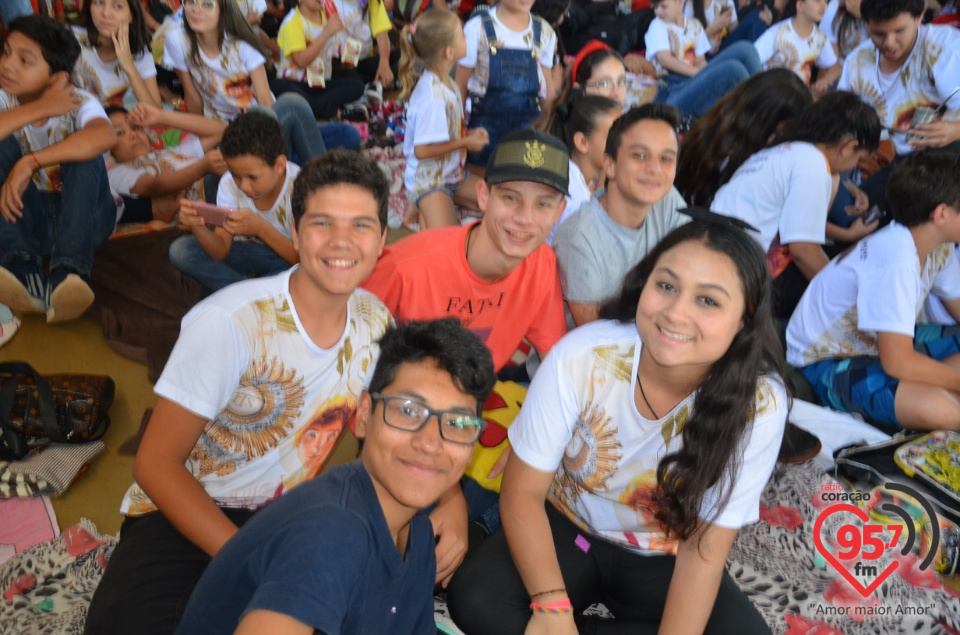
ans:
(189, 219)
(477, 139)
(243, 222)
(145, 115)
(334, 25)
(544, 624)
(121, 44)
(766, 16)
(215, 163)
(384, 73)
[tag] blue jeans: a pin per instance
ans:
(66, 228)
(10, 9)
(339, 135)
(245, 258)
(483, 506)
(299, 127)
(696, 95)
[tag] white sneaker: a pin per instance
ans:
(374, 93)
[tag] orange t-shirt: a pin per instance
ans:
(426, 276)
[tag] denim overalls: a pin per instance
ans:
(512, 100)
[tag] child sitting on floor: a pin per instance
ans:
(162, 175)
(256, 238)
(56, 200)
(798, 43)
(854, 334)
(436, 143)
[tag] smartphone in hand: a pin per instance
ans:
(212, 214)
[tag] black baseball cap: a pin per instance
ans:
(530, 155)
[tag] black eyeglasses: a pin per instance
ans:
(404, 413)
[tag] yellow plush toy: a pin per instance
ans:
(499, 410)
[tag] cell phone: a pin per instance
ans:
(212, 214)
(874, 213)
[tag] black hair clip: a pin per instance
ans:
(708, 216)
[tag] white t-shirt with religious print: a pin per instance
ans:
(361, 24)
(580, 420)
(686, 43)
(876, 285)
(51, 132)
(927, 77)
(246, 365)
(223, 81)
(781, 190)
(478, 49)
(297, 33)
(854, 36)
(106, 80)
(434, 115)
(124, 176)
(711, 13)
(280, 214)
(781, 46)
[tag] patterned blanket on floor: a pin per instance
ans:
(47, 588)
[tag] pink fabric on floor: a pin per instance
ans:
(26, 522)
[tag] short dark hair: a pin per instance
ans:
(115, 110)
(254, 133)
(653, 111)
(882, 10)
(832, 118)
(921, 181)
(340, 167)
(445, 342)
(58, 46)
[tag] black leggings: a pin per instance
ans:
(149, 578)
(487, 596)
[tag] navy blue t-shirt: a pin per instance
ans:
(322, 554)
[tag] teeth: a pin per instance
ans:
(341, 263)
(675, 336)
(519, 235)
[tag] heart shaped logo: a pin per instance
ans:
(818, 541)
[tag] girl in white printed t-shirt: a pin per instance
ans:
(798, 43)
(221, 64)
(436, 142)
(115, 62)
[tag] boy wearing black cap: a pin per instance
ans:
(498, 277)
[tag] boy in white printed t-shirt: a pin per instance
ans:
(254, 365)
(256, 238)
(799, 44)
(903, 66)
(506, 71)
(56, 201)
(303, 38)
(785, 191)
(164, 175)
(855, 335)
(677, 46)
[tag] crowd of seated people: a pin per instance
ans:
(662, 278)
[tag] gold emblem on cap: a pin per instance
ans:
(533, 157)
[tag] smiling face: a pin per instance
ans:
(646, 163)
(691, 308)
(23, 71)
(518, 217)
(132, 142)
(339, 239)
(894, 38)
(609, 79)
(669, 11)
(410, 470)
(109, 16)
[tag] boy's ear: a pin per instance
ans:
(364, 411)
(939, 213)
(849, 147)
(280, 165)
(483, 195)
(609, 167)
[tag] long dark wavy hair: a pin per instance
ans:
(231, 23)
(723, 408)
(847, 27)
(138, 32)
(736, 127)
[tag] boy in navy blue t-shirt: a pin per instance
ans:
(348, 552)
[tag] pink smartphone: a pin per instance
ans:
(212, 214)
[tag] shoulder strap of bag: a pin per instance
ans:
(45, 403)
